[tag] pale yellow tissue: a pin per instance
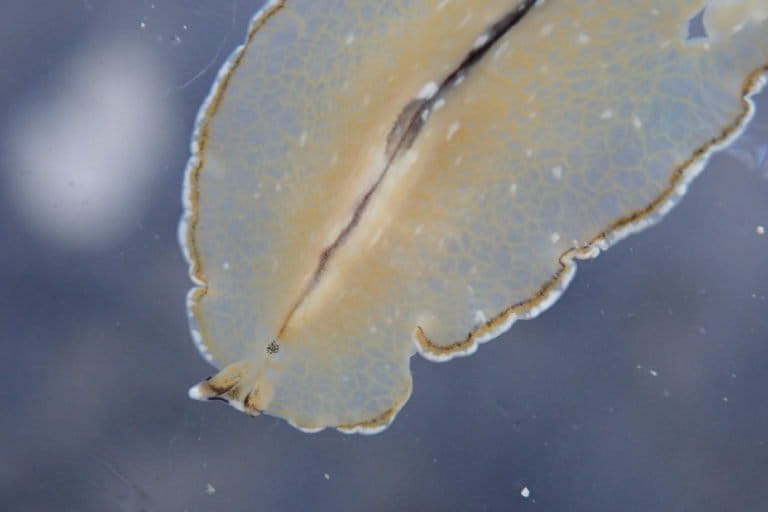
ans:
(327, 256)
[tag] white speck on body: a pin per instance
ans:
(546, 30)
(557, 172)
(582, 38)
(528, 153)
(606, 114)
(481, 40)
(501, 50)
(637, 123)
(555, 237)
(480, 317)
(349, 39)
(303, 139)
(375, 238)
(513, 189)
(466, 19)
(278, 187)
(440, 103)
(225, 265)
(429, 90)
(452, 129)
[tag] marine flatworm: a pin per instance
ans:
(374, 178)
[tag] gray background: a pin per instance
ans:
(644, 388)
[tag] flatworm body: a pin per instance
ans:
(374, 178)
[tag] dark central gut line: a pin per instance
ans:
(405, 131)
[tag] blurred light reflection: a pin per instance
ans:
(84, 151)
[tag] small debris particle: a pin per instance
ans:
(525, 492)
(760, 230)
(654, 373)
(210, 490)
(326, 476)
(606, 114)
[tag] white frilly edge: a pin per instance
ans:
(201, 121)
